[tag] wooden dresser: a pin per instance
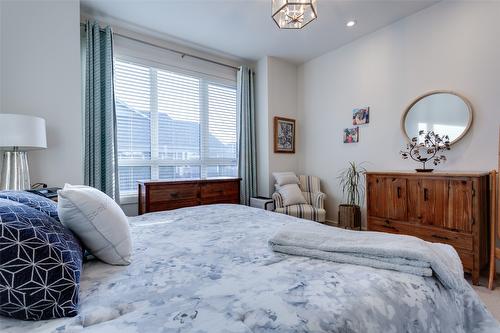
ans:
(158, 195)
(449, 208)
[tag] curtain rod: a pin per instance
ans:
(182, 54)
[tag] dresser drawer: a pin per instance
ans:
(172, 204)
(393, 227)
(459, 240)
(173, 193)
(221, 192)
(158, 195)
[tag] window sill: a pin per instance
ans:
(129, 199)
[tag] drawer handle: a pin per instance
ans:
(389, 227)
(174, 194)
(426, 194)
(440, 237)
(399, 192)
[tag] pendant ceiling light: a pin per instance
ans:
(294, 14)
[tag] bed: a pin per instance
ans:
(209, 269)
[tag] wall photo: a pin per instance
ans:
(351, 135)
(361, 116)
(284, 135)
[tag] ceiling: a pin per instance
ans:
(244, 28)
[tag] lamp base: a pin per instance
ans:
(14, 172)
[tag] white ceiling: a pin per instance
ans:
(245, 29)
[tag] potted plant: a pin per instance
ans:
(350, 180)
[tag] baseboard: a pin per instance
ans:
(332, 222)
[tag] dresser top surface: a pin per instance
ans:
(436, 173)
(185, 181)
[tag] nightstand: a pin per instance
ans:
(46, 192)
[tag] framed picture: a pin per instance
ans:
(284, 135)
(361, 116)
(351, 135)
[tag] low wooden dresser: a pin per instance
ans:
(158, 195)
(449, 208)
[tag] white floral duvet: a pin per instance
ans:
(209, 269)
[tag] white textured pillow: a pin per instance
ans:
(291, 195)
(98, 221)
(284, 178)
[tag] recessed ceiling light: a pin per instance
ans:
(351, 23)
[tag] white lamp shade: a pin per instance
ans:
(22, 131)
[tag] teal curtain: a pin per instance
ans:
(247, 162)
(100, 158)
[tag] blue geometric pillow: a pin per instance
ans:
(40, 203)
(40, 265)
(33, 200)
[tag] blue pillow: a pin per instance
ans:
(40, 203)
(40, 265)
(33, 200)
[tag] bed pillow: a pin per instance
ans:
(41, 264)
(32, 200)
(98, 221)
(284, 178)
(291, 195)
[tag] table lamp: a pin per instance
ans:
(18, 135)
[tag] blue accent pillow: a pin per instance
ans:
(33, 200)
(40, 264)
(40, 203)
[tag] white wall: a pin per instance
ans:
(40, 75)
(282, 85)
(451, 45)
(276, 85)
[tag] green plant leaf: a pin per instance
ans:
(350, 181)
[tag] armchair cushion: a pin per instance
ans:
(291, 195)
(284, 178)
(304, 211)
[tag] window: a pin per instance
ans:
(173, 125)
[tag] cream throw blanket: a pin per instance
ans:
(374, 249)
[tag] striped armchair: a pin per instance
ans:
(313, 210)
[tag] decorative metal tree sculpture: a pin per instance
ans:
(427, 149)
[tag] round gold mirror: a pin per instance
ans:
(444, 112)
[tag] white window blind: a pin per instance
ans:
(173, 125)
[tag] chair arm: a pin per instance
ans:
(278, 200)
(318, 200)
